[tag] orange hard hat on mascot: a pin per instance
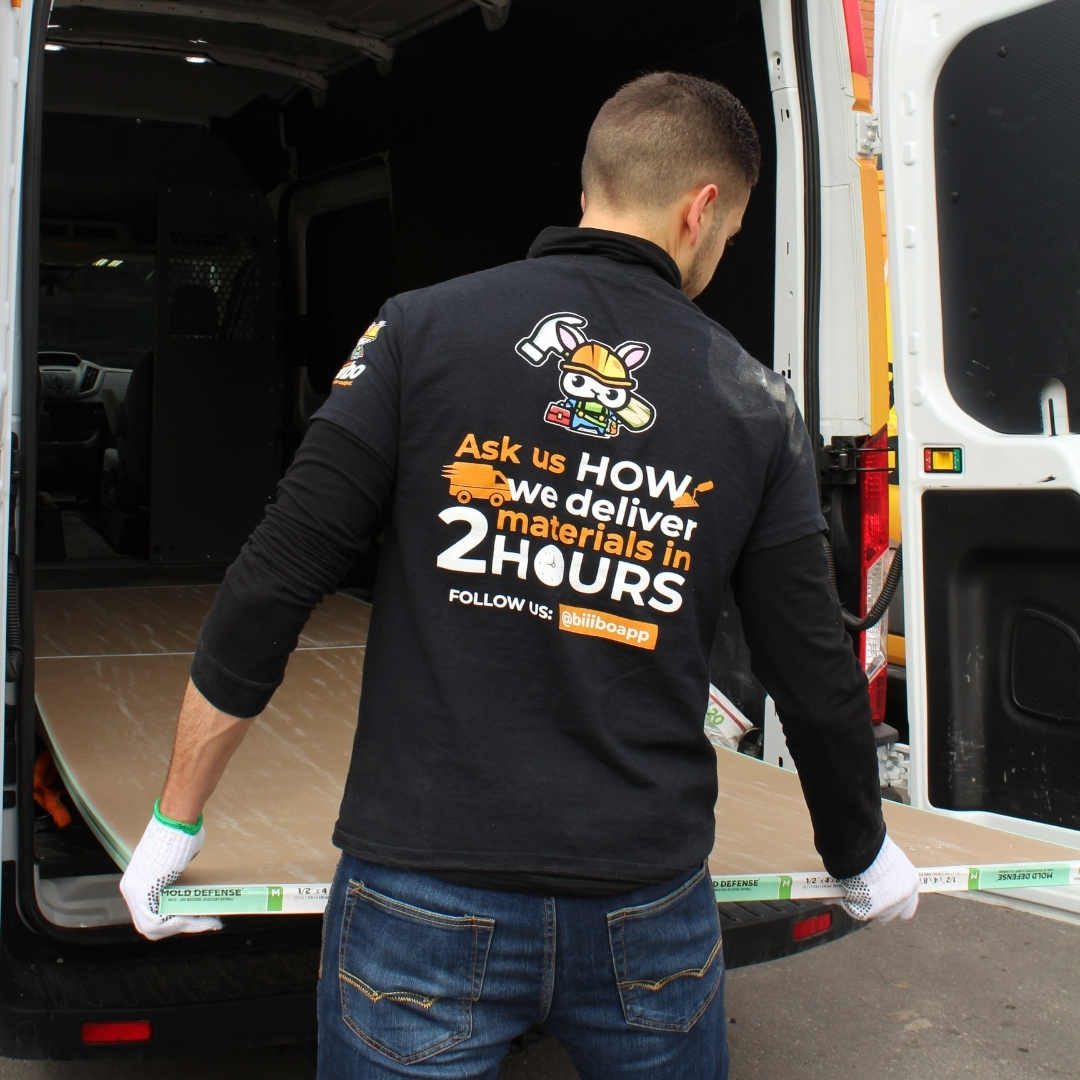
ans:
(599, 363)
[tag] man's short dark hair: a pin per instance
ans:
(664, 134)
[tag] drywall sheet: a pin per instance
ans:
(765, 843)
(111, 670)
(764, 851)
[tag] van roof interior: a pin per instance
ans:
(228, 196)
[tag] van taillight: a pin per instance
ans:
(116, 1031)
(808, 928)
(874, 560)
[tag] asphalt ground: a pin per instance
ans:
(964, 989)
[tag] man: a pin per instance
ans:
(570, 462)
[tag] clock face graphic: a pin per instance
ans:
(549, 565)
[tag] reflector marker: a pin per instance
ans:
(98, 1032)
(943, 459)
(808, 928)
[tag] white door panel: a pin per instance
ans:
(790, 257)
(845, 354)
(844, 406)
(788, 309)
(833, 90)
(844, 333)
(916, 39)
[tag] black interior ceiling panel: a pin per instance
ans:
(218, 373)
(1002, 594)
(486, 132)
(1007, 142)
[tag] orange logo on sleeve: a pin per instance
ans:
(685, 500)
(592, 623)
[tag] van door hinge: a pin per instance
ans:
(867, 135)
(839, 461)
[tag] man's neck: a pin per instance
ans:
(630, 224)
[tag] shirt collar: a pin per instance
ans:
(621, 247)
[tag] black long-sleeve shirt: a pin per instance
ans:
(331, 505)
(533, 701)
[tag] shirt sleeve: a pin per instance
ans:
(330, 506)
(789, 506)
(802, 655)
(365, 398)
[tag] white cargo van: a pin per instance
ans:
(207, 203)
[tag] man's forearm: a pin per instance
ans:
(206, 740)
(802, 655)
(328, 510)
(328, 507)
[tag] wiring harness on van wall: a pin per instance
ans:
(881, 604)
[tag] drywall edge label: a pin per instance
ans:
(1021, 877)
(752, 887)
(244, 899)
(311, 899)
(936, 879)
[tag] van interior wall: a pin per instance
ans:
(104, 186)
(485, 133)
(100, 168)
(114, 190)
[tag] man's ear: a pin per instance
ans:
(695, 212)
(583, 202)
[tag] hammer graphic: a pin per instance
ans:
(543, 342)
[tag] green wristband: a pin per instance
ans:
(183, 826)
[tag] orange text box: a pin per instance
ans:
(581, 620)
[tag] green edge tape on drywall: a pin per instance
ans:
(300, 899)
(752, 887)
(221, 899)
(1018, 877)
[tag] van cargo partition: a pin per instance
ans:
(219, 375)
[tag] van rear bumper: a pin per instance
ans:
(175, 1029)
(758, 931)
(252, 984)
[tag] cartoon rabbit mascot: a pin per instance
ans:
(596, 380)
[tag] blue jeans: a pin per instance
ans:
(421, 978)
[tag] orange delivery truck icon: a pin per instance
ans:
(470, 480)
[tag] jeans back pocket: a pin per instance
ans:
(408, 976)
(668, 957)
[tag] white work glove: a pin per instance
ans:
(160, 858)
(886, 889)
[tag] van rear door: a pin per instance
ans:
(16, 23)
(981, 131)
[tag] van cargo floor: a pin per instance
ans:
(111, 668)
